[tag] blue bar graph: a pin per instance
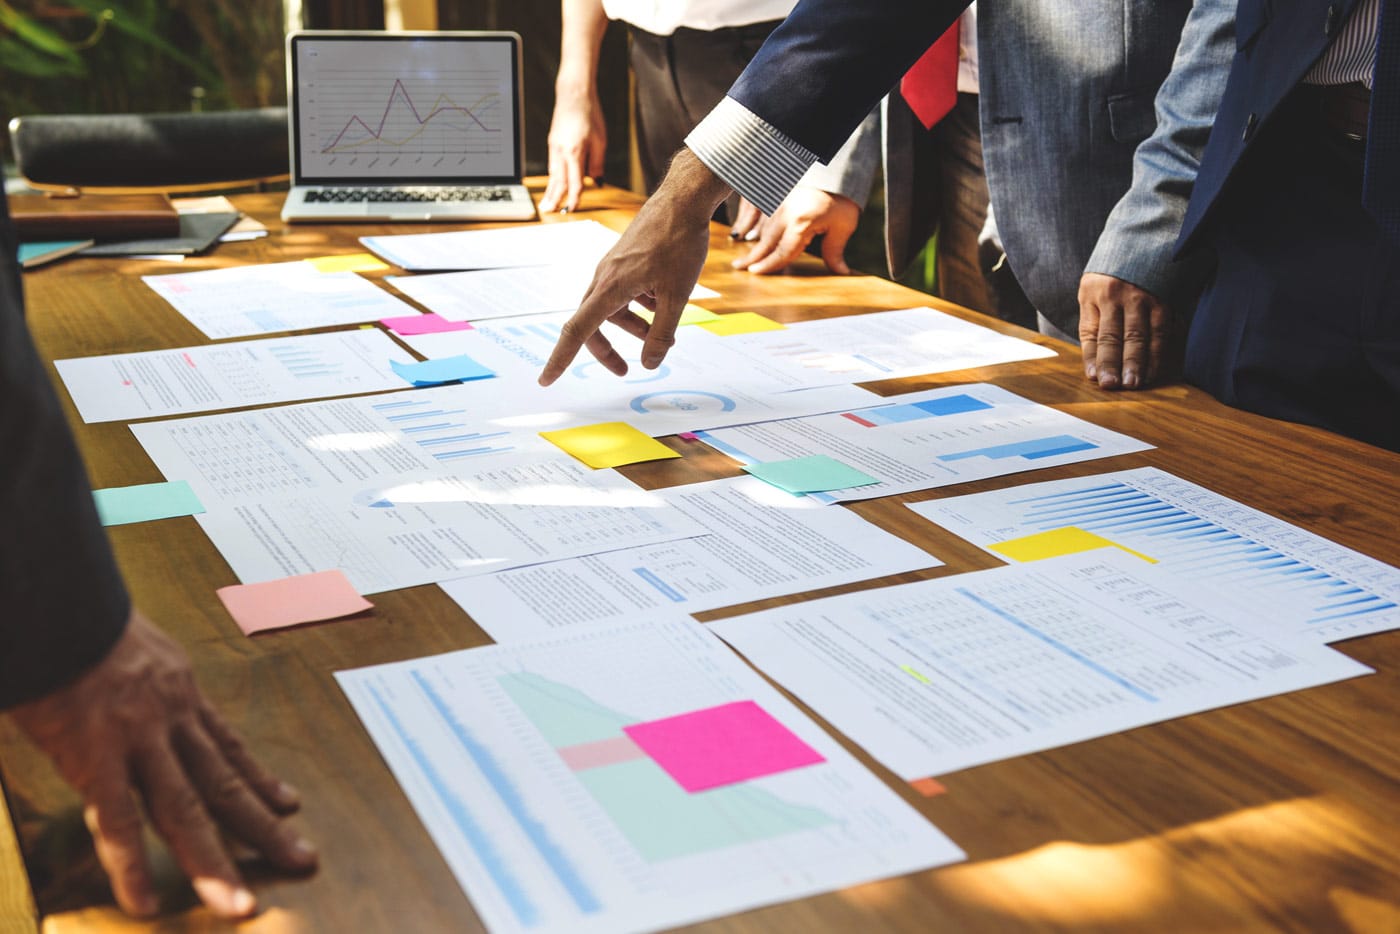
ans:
(1037, 449)
(443, 433)
(1198, 547)
(303, 363)
(931, 408)
(494, 773)
(510, 887)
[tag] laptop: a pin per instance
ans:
(405, 126)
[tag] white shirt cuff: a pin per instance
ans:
(753, 157)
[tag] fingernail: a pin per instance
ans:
(751, 236)
(145, 905)
(563, 210)
(242, 902)
(1130, 379)
(304, 851)
(651, 361)
(287, 795)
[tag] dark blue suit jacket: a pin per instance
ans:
(1276, 42)
(799, 64)
(62, 602)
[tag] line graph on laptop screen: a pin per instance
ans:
(405, 109)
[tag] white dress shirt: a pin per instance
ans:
(663, 17)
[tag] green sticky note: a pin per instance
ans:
(815, 474)
(120, 505)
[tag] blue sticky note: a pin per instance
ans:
(120, 505)
(815, 474)
(458, 369)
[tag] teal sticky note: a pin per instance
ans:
(458, 369)
(120, 505)
(815, 474)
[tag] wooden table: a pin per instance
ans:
(1278, 814)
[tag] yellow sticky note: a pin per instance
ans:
(693, 314)
(1066, 541)
(350, 262)
(741, 322)
(608, 444)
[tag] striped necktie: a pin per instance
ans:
(930, 87)
(1380, 192)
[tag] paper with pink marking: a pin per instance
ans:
(431, 323)
(722, 745)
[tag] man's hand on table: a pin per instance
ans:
(133, 734)
(805, 214)
(578, 142)
(1123, 332)
(657, 262)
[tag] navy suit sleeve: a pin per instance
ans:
(62, 601)
(831, 61)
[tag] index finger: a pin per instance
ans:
(582, 329)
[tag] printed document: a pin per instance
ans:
(577, 242)
(123, 387)
(1324, 590)
(883, 345)
(923, 440)
(403, 531)
(480, 294)
(557, 780)
(942, 675)
(760, 542)
(242, 301)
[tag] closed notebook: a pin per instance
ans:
(93, 217)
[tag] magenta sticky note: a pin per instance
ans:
(289, 601)
(722, 745)
(431, 323)
(688, 436)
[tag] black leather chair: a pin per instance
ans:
(165, 152)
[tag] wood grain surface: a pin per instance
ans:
(1282, 814)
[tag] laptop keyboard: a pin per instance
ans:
(356, 195)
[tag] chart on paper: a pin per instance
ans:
(554, 778)
(1328, 591)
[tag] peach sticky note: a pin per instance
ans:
(348, 262)
(306, 598)
(741, 322)
(608, 444)
(722, 745)
(928, 787)
(431, 323)
(1066, 541)
(691, 314)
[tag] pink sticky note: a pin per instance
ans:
(721, 745)
(307, 598)
(431, 323)
(688, 436)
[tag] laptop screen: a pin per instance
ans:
(397, 108)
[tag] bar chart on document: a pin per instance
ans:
(441, 430)
(372, 108)
(1329, 591)
(930, 439)
(551, 777)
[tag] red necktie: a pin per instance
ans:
(930, 88)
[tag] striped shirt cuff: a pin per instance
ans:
(753, 157)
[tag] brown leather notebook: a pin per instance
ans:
(93, 217)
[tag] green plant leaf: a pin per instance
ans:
(22, 59)
(128, 22)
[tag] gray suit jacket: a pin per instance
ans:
(1094, 115)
